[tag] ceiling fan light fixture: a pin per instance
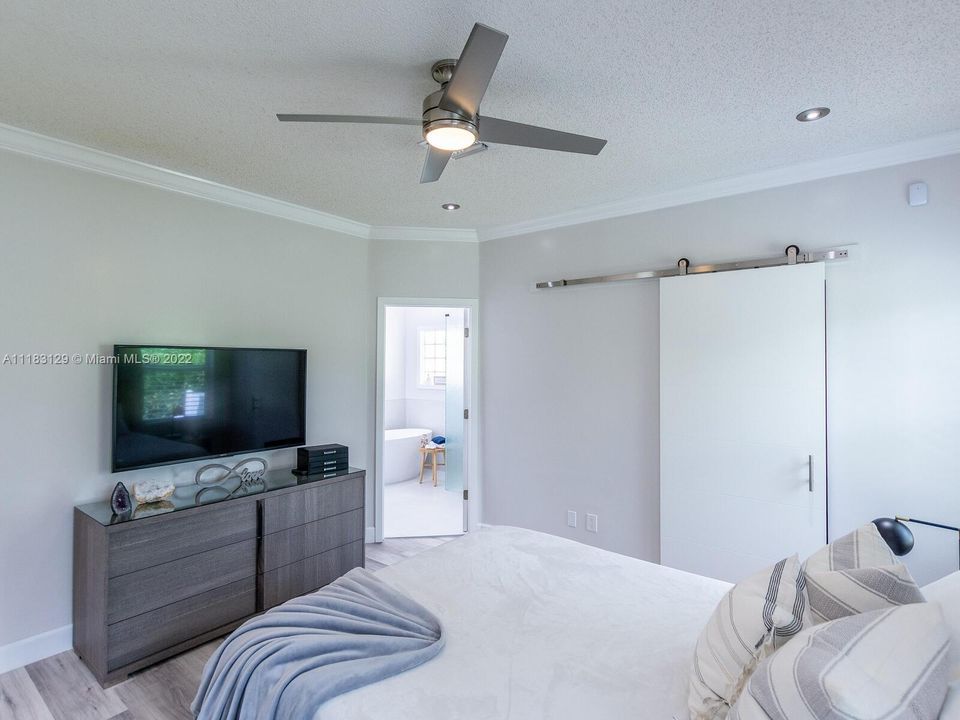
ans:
(450, 137)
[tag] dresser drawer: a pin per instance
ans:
(143, 635)
(146, 543)
(321, 459)
(151, 588)
(303, 541)
(304, 576)
(298, 508)
(328, 469)
(308, 456)
(338, 561)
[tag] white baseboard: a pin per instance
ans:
(29, 650)
(370, 535)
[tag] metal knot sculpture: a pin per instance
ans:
(248, 477)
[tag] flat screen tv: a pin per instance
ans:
(177, 404)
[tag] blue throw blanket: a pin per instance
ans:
(283, 664)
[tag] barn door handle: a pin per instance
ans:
(810, 472)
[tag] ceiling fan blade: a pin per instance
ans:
(288, 117)
(505, 132)
(473, 71)
(433, 166)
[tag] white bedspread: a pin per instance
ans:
(541, 627)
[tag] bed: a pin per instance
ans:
(537, 626)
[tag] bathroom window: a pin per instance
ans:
(433, 359)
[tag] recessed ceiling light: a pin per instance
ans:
(817, 113)
(450, 206)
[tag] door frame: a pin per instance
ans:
(471, 460)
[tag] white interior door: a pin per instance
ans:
(742, 419)
(455, 399)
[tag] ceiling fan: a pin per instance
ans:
(451, 121)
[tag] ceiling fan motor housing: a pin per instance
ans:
(442, 70)
(436, 117)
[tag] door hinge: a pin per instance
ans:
(466, 414)
(466, 332)
(465, 494)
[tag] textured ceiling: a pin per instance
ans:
(684, 91)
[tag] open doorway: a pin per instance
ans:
(425, 444)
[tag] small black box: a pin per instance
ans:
(323, 458)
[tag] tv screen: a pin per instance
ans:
(175, 404)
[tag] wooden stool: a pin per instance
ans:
(433, 451)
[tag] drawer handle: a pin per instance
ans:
(329, 452)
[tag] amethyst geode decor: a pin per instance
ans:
(120, 500)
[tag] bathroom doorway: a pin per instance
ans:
(426, 446)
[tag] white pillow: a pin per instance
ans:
(753, 618)
(891, 664)
(837, 593)
(864, 547)
(946, 593)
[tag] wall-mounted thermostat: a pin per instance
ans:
(917, 194)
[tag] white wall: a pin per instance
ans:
(427, 269)
(424, 269)
(570, 376)
(414, 269)
(87, 261)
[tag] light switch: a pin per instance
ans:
(571, 518)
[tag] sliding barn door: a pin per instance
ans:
(742, 419)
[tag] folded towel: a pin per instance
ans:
(439, 439)
(285, 663)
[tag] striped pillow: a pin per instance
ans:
(864, 547)
(753, 618)
(836, 594)
(889, 664)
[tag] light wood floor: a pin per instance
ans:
(61, 687)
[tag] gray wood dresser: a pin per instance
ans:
(172, 576)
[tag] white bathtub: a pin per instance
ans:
(401, 453)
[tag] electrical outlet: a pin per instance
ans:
(591, 522)
(571, 518)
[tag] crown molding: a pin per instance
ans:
(35, 145)
(32, 144)
(898, 154)
(401, 232)
(25, 142)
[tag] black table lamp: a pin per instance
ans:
(898, 536)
